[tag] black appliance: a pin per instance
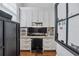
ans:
(35, 31)
(9, 36)
(37, 45)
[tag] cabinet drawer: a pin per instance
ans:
(24, 41)
(26, 47)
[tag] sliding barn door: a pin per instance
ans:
(1, 38)
(10, 38)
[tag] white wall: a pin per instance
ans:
(50, 5)
(10, 8)
(61, 51)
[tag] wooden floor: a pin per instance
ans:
(46, 53)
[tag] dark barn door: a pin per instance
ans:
(10, 39)
(1, 38)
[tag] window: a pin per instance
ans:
(66, 27)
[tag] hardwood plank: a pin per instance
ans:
(45, 53)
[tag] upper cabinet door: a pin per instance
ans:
(22, 18)
(41, 14)
(26, 17)
(51, 17)
(46, 17)
(34, 14)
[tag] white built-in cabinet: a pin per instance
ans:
(36, 14)
(25, 41)
(49, 44)
(25, 17)
(25, 44)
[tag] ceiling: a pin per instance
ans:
(36, 4)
